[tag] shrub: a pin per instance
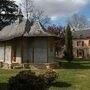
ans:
(26, 80)
(50, 75)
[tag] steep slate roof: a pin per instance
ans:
(81, 34)
(25, 29)
(37, 30)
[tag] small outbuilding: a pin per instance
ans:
(26, 42)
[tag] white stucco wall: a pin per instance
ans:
(8, 54)
(1, 52)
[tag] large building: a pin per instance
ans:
(26, 42)
(81, 44)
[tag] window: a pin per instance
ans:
(80, 43)
(80, 53)
(77, 43)
(89, 42)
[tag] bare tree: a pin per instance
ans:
(78, 22)
(32, 13)
(59, 31)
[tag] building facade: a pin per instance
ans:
(81, 44)
(26, 42)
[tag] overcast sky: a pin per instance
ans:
(60, 10)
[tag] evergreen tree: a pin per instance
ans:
(8, 11)
(68, 43)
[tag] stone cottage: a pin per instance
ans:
(26, 42)
(81, 43)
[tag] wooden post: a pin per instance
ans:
(47, 50)
(22, 48)
(33, 50)
(4, 50)
(13, 52)
(54, 47)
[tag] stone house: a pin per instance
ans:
(26, 42)
(81, 44)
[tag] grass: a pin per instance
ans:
(4, 76)
(73, 76)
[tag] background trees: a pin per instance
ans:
(59, 31)
(31, 12)
(68, 44)
(78, 22)
(8, 12)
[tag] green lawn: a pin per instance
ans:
(74, 76)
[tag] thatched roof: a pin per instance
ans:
(81, 34)
(25, 29)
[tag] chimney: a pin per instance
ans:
(19, 16)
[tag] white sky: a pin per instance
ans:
(60, 8)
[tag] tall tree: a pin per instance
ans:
(59, 31)
(31, 12)
(8, 10)
(68, 44)
(78, 22)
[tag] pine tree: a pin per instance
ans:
(8, 11)
(68, 43)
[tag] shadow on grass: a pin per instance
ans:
(61, 84)
(74, 65)
(3, 86)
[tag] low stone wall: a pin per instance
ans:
(42, 66)
(31, 66)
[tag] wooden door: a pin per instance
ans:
(40, 50)
(27, 57)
